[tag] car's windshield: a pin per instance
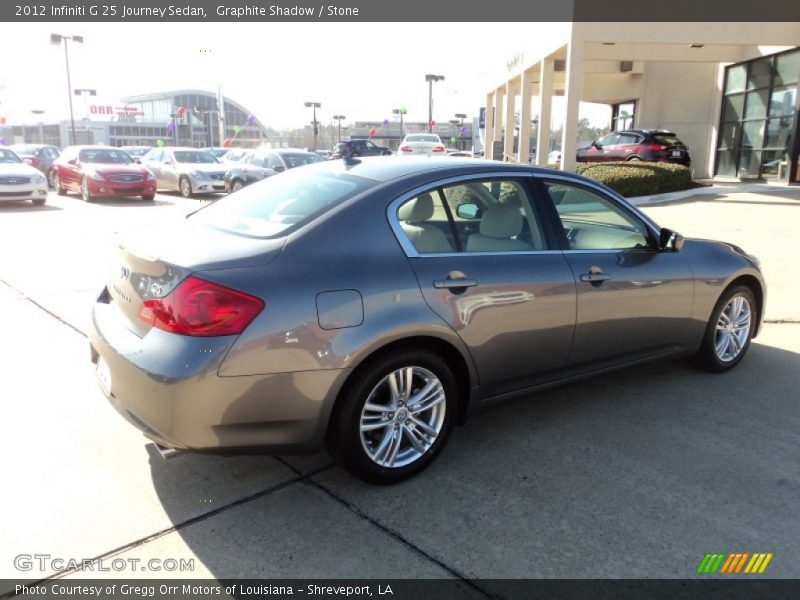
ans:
(8, 157)
(102, 155)
(424, 138)
(137, 151)
(272, 206)
(194, 156)
(298, 160)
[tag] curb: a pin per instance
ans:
(711, 190)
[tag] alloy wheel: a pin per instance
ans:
(402, 416)
(733, 327)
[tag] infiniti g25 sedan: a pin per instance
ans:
(370, 305)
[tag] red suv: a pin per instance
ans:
(101, 171)
(655, 145)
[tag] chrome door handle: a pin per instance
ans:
(455, 283)
(595, 277)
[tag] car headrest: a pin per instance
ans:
(502, 221)
(417, 210)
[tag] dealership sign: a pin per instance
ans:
(108, 110)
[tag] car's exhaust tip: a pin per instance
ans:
(163, 452)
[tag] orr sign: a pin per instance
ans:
(127, 113)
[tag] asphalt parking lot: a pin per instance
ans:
(635, 474)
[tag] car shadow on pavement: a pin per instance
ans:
(130, 202)
(24, 206)
(638, 473)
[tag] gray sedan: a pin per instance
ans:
(187, 170)
(372, 305)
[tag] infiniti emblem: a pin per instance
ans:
(124, 272)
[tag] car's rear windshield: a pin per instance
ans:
(101, 155)
(667, 138)
(298, 159)
(424, 138)
(26, 150)
(273, 206)
(8, 157)
(194, 156)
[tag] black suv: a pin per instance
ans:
(359, 148)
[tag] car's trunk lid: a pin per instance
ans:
(151, 262)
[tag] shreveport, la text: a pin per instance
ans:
(145, 590)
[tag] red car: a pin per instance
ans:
(101, 171)
(656, 145)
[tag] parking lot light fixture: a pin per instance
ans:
(314, 106)
(339, 119)
(431, 79)
(56, 39)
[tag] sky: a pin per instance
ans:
(361, 70)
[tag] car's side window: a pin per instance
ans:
(628, 139)
(592, 221)
(424, 222)
(494, 216)
(273, 161)
(608, 140)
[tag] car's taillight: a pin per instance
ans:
(405, 148)
(32, 161)
(657, 147)
(200, 308)
(438, 149)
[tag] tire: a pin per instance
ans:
(38, 201)
(733, 319)
(236, 185)
(85, 193)
(185, 187)
(60, 190)
(634, 159)
(149, 197)
(385, 453)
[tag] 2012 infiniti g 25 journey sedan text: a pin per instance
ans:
(371, 304)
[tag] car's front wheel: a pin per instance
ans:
(729, 330)
(86, 193)
(236, 185)
(185, 187)
(395, 417)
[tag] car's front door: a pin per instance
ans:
(169, 170)
(633, 299)
(153, 162)
(502, 286)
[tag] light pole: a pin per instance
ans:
(56, 40)
(461, 117)
(431, 79)
(401, 112)
(39, 114)
(314, 106)
(203, 111)
(339, 118)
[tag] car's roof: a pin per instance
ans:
(645, 131)
(383, 168)
(291, 150)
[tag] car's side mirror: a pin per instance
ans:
(72, 161)
(594, 144)
(669, 240)
(278, 169)
(469, 210)
(171, 163)
(137, 160)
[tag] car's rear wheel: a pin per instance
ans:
(60, 189)
(729, 330)
(185, 187)
(395, 417)
(86, 193)
(634, 159)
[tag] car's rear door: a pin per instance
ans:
(505, 288)
(633, 300)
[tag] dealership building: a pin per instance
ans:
(144, 120)
(728, 90)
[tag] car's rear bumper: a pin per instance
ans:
(167, 386)
(114, 189)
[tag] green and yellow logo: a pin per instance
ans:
(735, 562)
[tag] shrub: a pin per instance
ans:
(638, 178)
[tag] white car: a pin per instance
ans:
(427, 144)
(19, 181)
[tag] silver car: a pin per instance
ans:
(20, 181)
(372, 305)
(187, 170)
